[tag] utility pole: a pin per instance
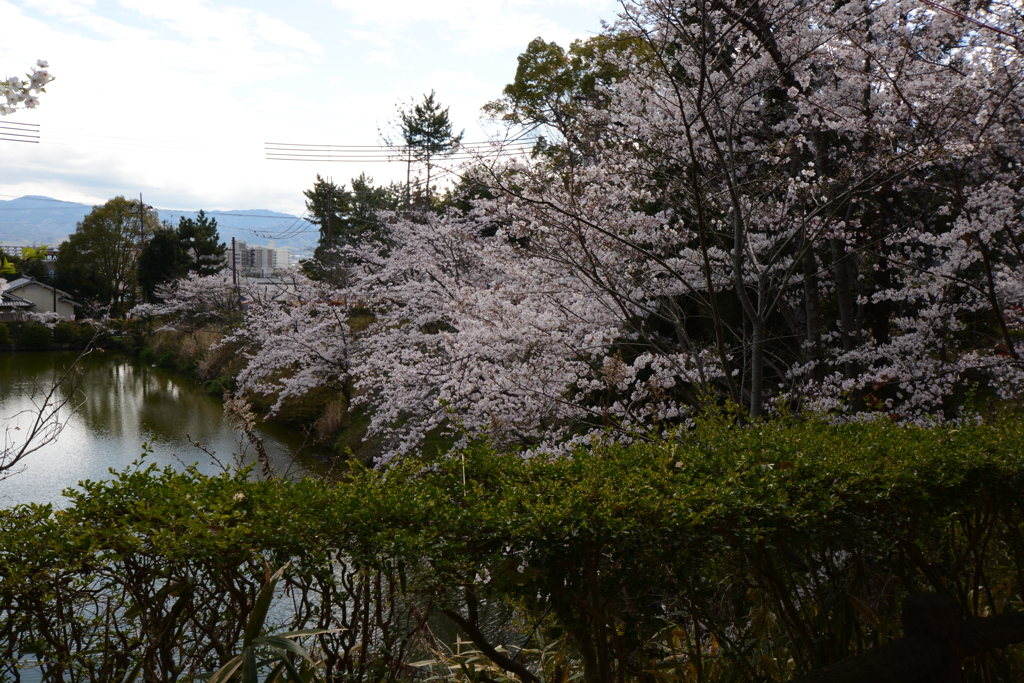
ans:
(142, 221)
(330, 210)
(408, 176)
(234, 271)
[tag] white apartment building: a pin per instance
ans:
(260, 261)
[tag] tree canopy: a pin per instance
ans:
(427, 132)
(163, 258)
(200, 239)
(98, 262)
(347, 217)
(553, 86)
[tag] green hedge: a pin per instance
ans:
(35, 336)
(65, 332)
(723, 554)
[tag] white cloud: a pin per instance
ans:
(475, 26)
(276, 31)
(77, 13)
(176, 98)
(239, 27)
(372, 37)
(180, 87)
(378, 57)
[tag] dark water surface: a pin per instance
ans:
(121, 404)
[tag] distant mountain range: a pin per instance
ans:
(34, 220)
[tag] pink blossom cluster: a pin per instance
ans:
(18, 94)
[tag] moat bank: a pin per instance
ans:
(122, 403)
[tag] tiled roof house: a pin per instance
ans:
(28, 295)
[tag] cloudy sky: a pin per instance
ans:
(176, 98)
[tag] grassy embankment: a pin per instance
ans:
(323, 412)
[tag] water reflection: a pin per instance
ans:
(120, 405)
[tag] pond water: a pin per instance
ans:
(121, 404)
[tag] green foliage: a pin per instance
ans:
(348, 217)
(718, 554)
(199, 238)
(30, 264)
(181, 560)
(98, 261)
(65, 332)
(34, 253)
(552, 84)
(35, 336)
(5, 335)
(7, 267)
(427, 130)
(163, 259)
(772, 544)
(545, 85)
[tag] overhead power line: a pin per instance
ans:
(402, 149)
(384, 154)
(12, 131)
(298, 227)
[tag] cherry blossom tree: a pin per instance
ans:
(193, 301)
(295, 333)
(778, 202)
(298, 338)
(791, 205)
(468, 335)
(810, 168)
